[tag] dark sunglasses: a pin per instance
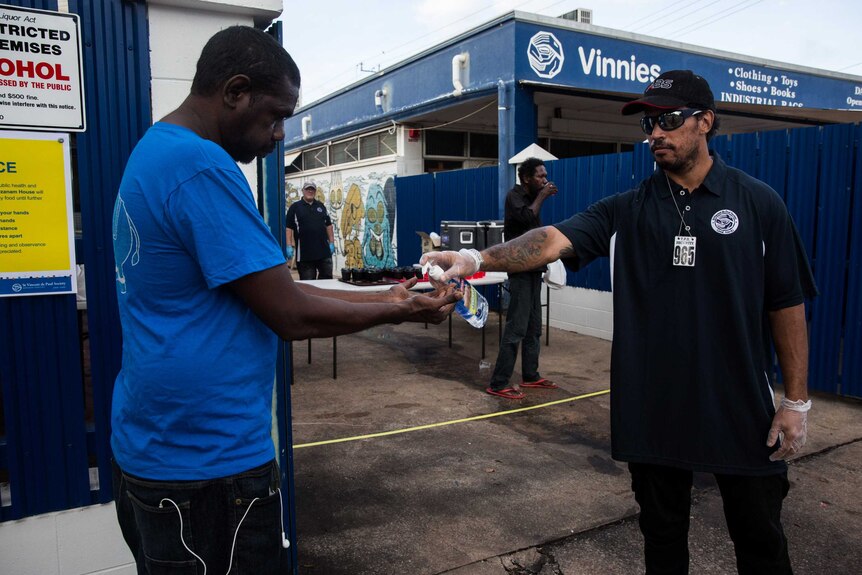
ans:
(667, 121)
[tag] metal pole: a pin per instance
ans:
(502, 146)
(547, 315)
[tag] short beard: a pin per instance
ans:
(680, 165)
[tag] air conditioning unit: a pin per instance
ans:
(581, 15)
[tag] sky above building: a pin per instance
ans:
(338, 42)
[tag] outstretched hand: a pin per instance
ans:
(454, 264)
(401, 291)
(434, 307)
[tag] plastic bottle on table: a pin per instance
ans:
(473, 307)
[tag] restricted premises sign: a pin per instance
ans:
(41, 85)
(37, 250)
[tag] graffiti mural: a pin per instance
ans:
(291, 194)
(351, 218)
(377, 242)
(334, 207)
(361, 205)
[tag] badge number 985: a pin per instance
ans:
(684, 248)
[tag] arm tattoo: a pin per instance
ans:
(521, 254)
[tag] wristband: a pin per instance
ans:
(798, 405)
(474, 255)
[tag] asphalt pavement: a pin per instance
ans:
(403, 465)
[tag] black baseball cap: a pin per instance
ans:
(673, 90)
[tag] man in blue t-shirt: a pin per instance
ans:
(708, 272)
(204, 293)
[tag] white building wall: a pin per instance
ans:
(410, 160)
(586, 311)
(178, 31)
(87, 541)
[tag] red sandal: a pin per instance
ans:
(508, 393)
(540, 384)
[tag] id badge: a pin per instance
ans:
(684, 248)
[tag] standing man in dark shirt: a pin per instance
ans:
(524, 318)
(309, 232)
(708, 270)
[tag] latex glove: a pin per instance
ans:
(332, 248)
(289, 252)
(455, 264)
(790, 426)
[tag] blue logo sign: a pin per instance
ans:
(545, 53)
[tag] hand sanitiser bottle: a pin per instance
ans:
(473, 307)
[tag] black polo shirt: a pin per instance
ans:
(309, 223)
(691, 361)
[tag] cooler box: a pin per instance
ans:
(455, 235)
(489, 233)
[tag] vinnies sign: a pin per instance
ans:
(576, 59)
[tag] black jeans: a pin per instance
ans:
(752, 510)
(523, 327)
(315, 269)
(209, 513)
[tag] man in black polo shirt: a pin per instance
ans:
(309, 232)
(707, 271)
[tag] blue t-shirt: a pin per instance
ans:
(194, 396)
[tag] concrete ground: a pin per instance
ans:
(520, 492)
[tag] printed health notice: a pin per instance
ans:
(37, 250)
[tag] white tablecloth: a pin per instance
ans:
(490, 278)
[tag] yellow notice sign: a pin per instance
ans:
(36, 237)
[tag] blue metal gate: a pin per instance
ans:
(46, 450)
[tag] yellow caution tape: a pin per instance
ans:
(452, 422)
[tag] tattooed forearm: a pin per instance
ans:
(526, 252)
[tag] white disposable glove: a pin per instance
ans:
(790, 427)
(456, 264)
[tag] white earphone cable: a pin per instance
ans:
(233, 545)
(284, 541)
(182, 539)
